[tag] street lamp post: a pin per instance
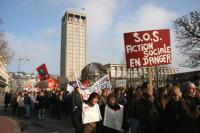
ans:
(21, 59)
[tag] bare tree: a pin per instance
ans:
(5, 51)
(187, 30)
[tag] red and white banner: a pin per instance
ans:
(52, 83)
(42, 72)
(102, 83)
(83, 84)
(147, 48)
(85, 91)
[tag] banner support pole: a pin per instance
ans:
(150, 80)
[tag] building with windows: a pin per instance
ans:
(4, 77)
(120, 74)
(20, 81)
(73, 44)
(192, 76)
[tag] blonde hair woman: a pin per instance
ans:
(179, 118)
(175, 93)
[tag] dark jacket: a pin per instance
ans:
(27, 100)
(149, 115)
(7, 98)
(41, 102)
(76, 117)
(180, 118)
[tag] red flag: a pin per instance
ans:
(42, 72)
(52, 83)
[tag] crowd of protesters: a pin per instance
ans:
(40, 104)
(167, 109)
(140, 109)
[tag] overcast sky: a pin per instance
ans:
(33, 27)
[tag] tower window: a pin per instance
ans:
(83, 18)
(70, 17)
(76, 18)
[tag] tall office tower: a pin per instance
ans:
(73, 44)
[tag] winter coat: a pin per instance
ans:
(149, 115)
(76, 119)
(41, 102)
(7, 98)
(179, 117)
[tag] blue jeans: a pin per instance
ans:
(41, 113)
(28, 110)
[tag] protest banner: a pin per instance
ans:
(42, 72)
(85, 83)
(103, 83)
(147, 48)
(70, 88)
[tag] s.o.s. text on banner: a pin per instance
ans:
(147, 48)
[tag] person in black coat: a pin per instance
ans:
(114, 108)
(148, 111)
(179, 117)
(76, 116)
(133, 119)
(7, 100)
(76, 119)
(41, 105)
(192, 115)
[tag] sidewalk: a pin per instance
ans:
(7, 125)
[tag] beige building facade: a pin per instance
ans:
(4, 78)
(73, 44)
(21, 81)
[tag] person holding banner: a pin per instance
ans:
(114, 118)
(148, 111)
(84, 118)
(104, 95)
(91, 113)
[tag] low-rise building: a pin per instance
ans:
(22, 81)
(121, 75)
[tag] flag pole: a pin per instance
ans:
(150, 80)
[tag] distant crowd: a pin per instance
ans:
(138, 109)
(40, 104)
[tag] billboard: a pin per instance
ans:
(147, 48)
